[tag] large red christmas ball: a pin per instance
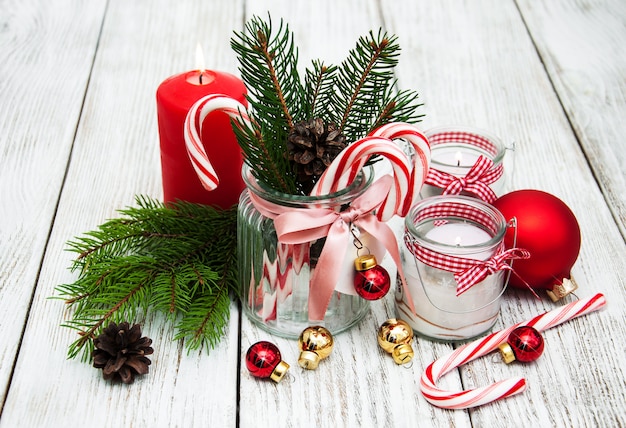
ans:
(548, 229)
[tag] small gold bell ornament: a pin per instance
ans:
(315, 343)
(395, 336)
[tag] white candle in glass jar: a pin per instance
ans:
(441, 314)
(455, 151)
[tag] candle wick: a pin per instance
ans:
(200, 78)
(458, 157)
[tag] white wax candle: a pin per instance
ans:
(468, 233)
(465, 156)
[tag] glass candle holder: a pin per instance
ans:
(455, 151)
(444, 236)
(275, 278)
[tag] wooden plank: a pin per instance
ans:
(581, 44)
(116, 156)
(478, 67)
(474, 64)
(46, 52)
(359, 385)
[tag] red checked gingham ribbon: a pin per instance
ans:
(301, 225)
(476, 181)
(467, 272)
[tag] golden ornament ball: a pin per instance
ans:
(395, 337)
(315, 343)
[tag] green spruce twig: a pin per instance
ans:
(179, 260)
(357, 96)
(365, 96)
(268, 63)
(319, 82)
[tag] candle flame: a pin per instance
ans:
(457, 241)
(199, 58)
(458, 157)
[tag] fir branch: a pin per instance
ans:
(318, 82)
(268, 63)
(400, 107)
(357, 97)
(87, 335)
(165, 259)
(269, 167)
(376, 53)
(362, 84)
(268, 58)
(206, 315)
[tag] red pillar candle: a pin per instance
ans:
(175, 96)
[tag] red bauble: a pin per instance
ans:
(263, 360)
(371, 281)
(526, 343)
(548, 229)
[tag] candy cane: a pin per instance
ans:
(421, 156)
(408, 179)
(193, 131)
(342, 171)
(480, 347)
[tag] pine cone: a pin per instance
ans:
(120, 352)
(312, 146)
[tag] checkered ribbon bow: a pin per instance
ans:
(467, 272)
(479, 271)
(476, 181)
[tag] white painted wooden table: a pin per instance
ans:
(78, 139)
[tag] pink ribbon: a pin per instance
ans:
(301, 225)
(476, 181)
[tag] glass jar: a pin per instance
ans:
(455, 150)
(443, 233)
(274, 277)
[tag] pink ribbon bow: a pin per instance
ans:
(479, 270)
(301, 225)
(476, 181)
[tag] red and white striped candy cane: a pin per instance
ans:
(408, 178)
(478, 348)
(347, 164)
(193, 132)
(421, 156)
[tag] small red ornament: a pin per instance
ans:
(524, 344)
(263, 360)
(371, 281)
(548, 229)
